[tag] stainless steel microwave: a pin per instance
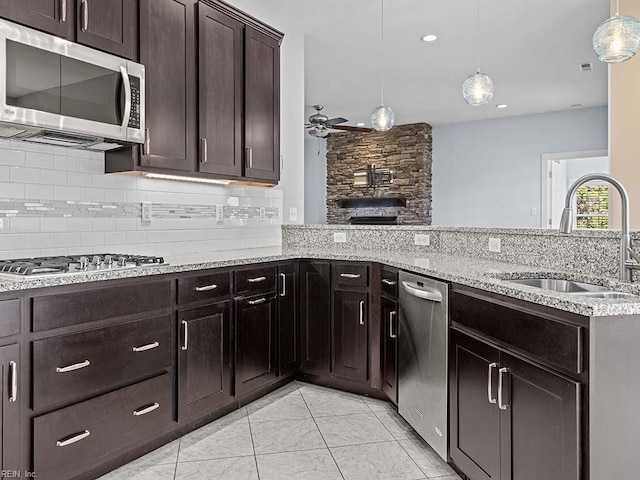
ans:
(58, 92)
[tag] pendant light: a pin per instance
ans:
(382, 118)
(617, 39)
(478, 89)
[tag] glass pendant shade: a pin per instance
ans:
(478, 89)
(617, 39)
(382, 119)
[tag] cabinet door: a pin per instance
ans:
(220, 94)
(255, 332)
(109, 25)
(389, 322)
(288, 344)
(51, 16)
(10, 411)
(350, 324)
(204, 359)
(540, 423)
(315, 303)
(262, 106)
(168, 52)
(474, 421)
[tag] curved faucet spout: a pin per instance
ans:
(566, 221)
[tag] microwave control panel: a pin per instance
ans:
(134, 119)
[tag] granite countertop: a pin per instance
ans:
(483, 274)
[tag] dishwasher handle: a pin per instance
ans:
(421, 292)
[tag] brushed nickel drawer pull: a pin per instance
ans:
(391, 283)
(283, 293)
(206, 288)
(362, 312)
(203, 150)
(501, 404)
(63, 11)
(490, 383)
(75, 366)
(144, 348)
(256, 280)
(186, 335)
(85, 15)
(392, 315)
(14, 381)
(257, 302)
(73, 439)
(350, 275)
(147, 409)
(250, 155)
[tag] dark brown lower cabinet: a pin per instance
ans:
(389, 322)
(204, 359)
(511, 419)
(350, 339)
(315, 308)
(288, 339)
(10, 408)
(255, 339)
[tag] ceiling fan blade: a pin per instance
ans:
(349, 128)
(335, 121)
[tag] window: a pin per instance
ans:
(592, 206)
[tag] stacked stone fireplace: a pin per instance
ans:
(405, 149)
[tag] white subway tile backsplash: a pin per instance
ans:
(92, 194)
(12, 157)
(134, 196)
(136, 237)
(54, 224)
(90, 239)
(67, 163)
(79, 179)
(66, 240)
(24, 224)
(125, 224)
(25, 175)
(116, 196)
(12, 241)
(103, 181)
(115, 238)
(39, 191)
(104, 224)
(67, 193)
(39, 160)
(80, 224)
(54, 177)
(39, 240)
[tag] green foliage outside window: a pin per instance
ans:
(592, 206)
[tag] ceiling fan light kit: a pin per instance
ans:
(319, 124)
(382, 118)
(617, 39)
(478, 89)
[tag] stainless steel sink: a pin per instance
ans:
(574, 288)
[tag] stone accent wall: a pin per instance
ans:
(405, 149)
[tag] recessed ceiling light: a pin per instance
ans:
(576, 105)
(502, 105)
(429, 38)
(361, 124)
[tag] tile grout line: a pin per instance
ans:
(175, 470)
(321, 435)
(253, 445)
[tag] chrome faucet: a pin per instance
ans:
(628, 259)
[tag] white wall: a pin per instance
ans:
(315, 180)
(487, 173)
(292, 117)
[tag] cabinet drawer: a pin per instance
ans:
(255, 280)
(75, 438)
(389, 282)
(549, 340)
(74, 308)
(203, 287)
(9, 317)
(75, 366)
(351, 275)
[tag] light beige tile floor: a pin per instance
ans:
(299, 432)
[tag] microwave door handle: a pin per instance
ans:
(127, 97)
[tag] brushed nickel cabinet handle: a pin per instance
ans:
(85, 15)
(63, 11)
(207, 288)
(250, 155)
(73, 439)
(147, 142)
(144, 348)
(490, 383)
(362, 312)
(147, 409)
(203, 150)
(391, 283)
(75, 366)
(501, 404)
(350, 275)
(256, 280)
(257, 302)
(392, 316)
(185, 345)
(13, 366)
(283, 292)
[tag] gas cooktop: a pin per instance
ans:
(41, 267)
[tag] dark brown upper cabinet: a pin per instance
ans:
(52, 16)
(109, 25)
(168, 52)
(220, 94)
(262, 106)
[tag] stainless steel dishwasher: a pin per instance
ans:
(422, 358)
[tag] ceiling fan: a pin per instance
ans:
(321, 126)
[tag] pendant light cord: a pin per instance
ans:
(617, 8)
(478, 41)
(382, 52)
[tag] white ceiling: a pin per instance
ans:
(531, 48)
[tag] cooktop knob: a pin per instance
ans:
(96, 261)
(122, 262)
(108, 260)
(84, 263)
